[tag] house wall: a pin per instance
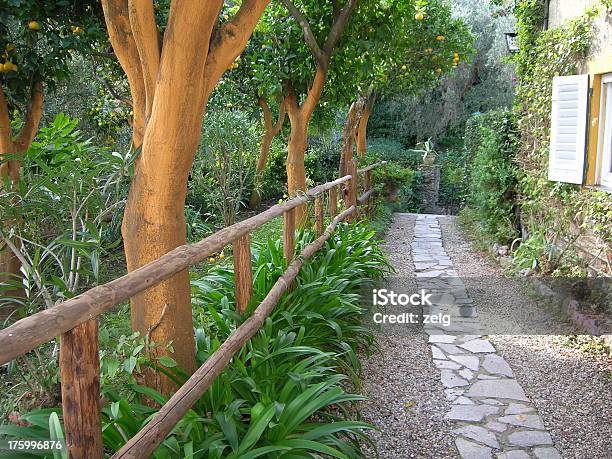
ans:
(562, 10)
(599, 62)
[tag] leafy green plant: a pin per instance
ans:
(224, 168)
(67, 211)
(492, 186)
(454, 179)
(283, 395)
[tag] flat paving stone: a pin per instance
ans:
(523, 420)
(497, 388)
(437, 353)
(496, 364)
(491, 401)
(468, 361)
(451, 349)
(450, 379)
(465, 373)
(471, 413)
(461, 400)
(448, 339)
(496, 426)
(530, 438)
(471, 450)
(478, 346)
(480, 434)
(446, 365)
(452, 394)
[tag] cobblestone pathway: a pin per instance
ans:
(491, 415)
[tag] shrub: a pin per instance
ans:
(223, 171)
(454, 179)
(65, 213)
(492, 177)
(391, 150)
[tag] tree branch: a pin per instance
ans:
(338, 27)
(5, 125)
(314, 93)
(146, 37)
(32, 119)
(319, 55)
(282, 113)
(116, 15)
(231, 40)
(109, 87)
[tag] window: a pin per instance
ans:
(568, 131)
(604, 158)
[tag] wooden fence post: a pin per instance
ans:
(319, 214)
(368, 187)
(333, 202)
(80, 381)
(352, 187)
(289, 235)
(243, 273)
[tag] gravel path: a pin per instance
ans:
(572, 390)
(406, 399)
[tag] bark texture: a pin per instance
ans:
(170, 87)
(362, 128)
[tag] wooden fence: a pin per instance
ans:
(76, 320)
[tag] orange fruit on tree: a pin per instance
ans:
(419, 16)
(34, 25)
(2, 68)
(429, 50)
(440, 38)
(439, 71)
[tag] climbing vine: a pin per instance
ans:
(549, 209)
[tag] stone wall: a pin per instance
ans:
(431, 188)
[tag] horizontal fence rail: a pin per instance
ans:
(30, 332)
(145, 442)
(75, 320)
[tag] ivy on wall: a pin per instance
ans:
(550, 209)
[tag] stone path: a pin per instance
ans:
(491, 415)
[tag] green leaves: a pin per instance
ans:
(39, 39)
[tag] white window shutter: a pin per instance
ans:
(568, 134)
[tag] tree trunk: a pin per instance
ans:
(10, 172)
(362, 143)
(172, 88)
(264, 151)
(296, 151)
(362, 128)
(270, 131)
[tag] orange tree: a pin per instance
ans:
(327, 53)
(295, 58)
(172, 69)
(37, 40)
(406, 51)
